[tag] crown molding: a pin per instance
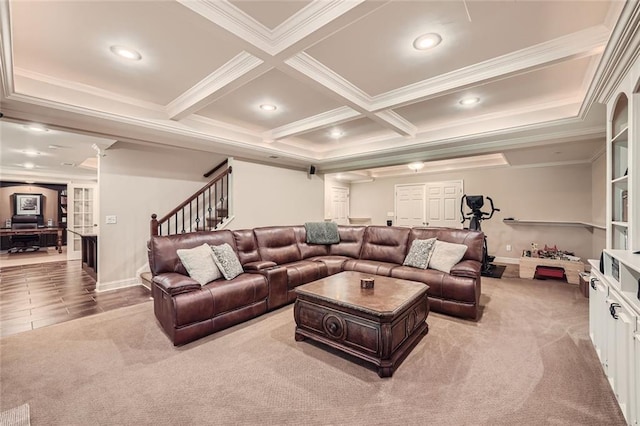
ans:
(619, 55)
(317, 71)
(87, 89)
(232, 19)
(580, 44)
(398, 123)
(308, 20)
(201, 93)
(335, 116)
(6, 49)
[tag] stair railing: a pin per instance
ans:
(205, 210)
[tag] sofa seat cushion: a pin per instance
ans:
(303, 272)
(430, 277)
(334, 264)
(374, 267)
(219, 297)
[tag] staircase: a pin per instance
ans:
(206, 210)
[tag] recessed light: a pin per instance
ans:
(55, 146)
(30, 153)
(29, 165)
(336, 133)
(268, 107)
(126, 52)
(427, 41)
(68, 164)
(29, 181)
(418, 165)
(469, 101)
(37, 128)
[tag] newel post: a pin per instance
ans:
(154, 225)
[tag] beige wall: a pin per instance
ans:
(134, 183)
(265, 195)
(50, 210)
(541, 193)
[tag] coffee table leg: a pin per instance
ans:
(385, 371)
(299, 337)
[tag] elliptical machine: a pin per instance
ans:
(475, 203)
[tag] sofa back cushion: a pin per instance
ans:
(246, 246)
(351, 238)
(385, 244)
(472, 239)
(163, 250)
(308, 250)
(277, 244)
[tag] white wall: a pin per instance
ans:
(541, 193)
(134, 183)
(266, 195)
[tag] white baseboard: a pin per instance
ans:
(509, 260)
(113, 285)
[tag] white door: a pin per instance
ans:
(340, 205)
(410, 205)
(81, 217)
(443, 204)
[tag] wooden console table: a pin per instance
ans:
(37, 231)
(571, 268)
(89, 240)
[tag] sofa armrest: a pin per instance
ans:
(278, 285)
(258, 265)
(467, 268)
(173, 283)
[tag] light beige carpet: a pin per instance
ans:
(528, 361)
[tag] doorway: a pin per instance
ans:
(433, 204)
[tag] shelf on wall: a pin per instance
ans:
(553, 223)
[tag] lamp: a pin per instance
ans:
(418, 165)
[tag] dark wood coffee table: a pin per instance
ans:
(380, 325)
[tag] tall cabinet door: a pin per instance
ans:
(82, 216)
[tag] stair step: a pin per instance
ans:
(146, 277)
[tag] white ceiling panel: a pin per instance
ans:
(293, 99)
(376, 53)
(545, 87)
(270, 13)
(353, 131)
(70, 41)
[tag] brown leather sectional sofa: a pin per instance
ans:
(277, 259)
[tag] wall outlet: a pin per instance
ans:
(111, 219)
(508, 247)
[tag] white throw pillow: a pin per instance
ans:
(227, 261)
(446, 255)
(199, 263)
(420, 253)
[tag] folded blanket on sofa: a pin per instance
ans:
(322, 233)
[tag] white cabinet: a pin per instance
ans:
(614, 328)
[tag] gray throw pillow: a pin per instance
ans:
(446, 255)
(199, 263)
(420, 253)
(227, 261)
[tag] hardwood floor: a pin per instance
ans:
(38, 295)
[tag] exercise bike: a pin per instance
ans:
(475, 217)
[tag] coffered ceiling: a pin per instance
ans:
(350, 90)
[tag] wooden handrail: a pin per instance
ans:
(194, 196)
(216, 168)
(157, 224)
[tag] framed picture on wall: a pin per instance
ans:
(28, 204)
